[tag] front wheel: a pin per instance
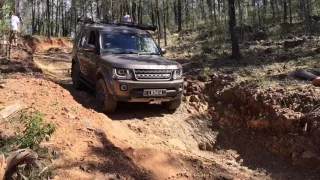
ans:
(172, 105)
(106, 102)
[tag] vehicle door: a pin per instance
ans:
(92, 61)
(82, 54)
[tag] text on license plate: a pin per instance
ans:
(154, 92)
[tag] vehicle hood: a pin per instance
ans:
(135, 61)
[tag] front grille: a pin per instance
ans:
(153, 74)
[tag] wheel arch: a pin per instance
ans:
(103, 73)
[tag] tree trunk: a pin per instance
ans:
(140, 12)
(164, 23)
(186, 7)
(98, 9)
(273, 12)
(159, 22)
(133, 11)
(48, 19)
(57, 18)
(214, 12)
(259, 16)
(179, 16)
(232, 25)
(240, 14)
(290, 11)
(209, 3)
(285, 11)
(306, 13)
(33, 17)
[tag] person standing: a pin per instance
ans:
(14, 25)
(126, 18)
(20, 24)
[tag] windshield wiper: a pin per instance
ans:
(125, 52)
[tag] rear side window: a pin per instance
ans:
(88, 37)
(84, 38)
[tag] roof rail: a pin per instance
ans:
(133, 25)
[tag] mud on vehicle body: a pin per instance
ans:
(123, 63)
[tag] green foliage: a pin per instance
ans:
(4, 22)
(35, 129)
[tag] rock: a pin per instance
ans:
(195, 99)
(71, 116)
(2, 86)
(86, 168)
(202, 146)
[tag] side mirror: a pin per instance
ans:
(164, 51)
(88, 48)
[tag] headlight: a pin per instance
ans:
(122, 74)
(177, 74)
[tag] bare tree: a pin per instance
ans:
(232, 25)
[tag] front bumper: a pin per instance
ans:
(134, 93)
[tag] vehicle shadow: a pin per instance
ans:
(113, 162)
(124, 111)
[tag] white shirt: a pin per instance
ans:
(14, 21)
(127, 18)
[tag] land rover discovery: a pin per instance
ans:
(122, 62)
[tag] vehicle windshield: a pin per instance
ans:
(128, 43)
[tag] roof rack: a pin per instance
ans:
(144, 27)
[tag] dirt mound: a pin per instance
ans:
(20, 61)
(276, 114)
(34, 44)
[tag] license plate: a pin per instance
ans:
(154, 92)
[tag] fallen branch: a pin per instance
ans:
(3, 166)
(22, 156)
(9, 111)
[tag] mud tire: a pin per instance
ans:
(105, 101)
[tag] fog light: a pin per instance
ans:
(123, 87)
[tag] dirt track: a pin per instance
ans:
(138, 141)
